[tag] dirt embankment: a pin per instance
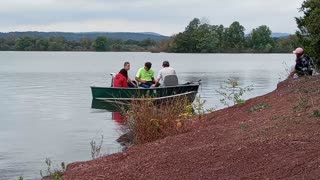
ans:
(275, 136)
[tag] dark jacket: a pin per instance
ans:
(304, 65)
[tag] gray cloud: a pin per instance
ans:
(169, 16)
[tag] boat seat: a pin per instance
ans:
(113, 75)
(170, 80)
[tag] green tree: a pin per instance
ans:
(198, 37)
(25, 44)
(179, 44)
(101, 44)
(206, 39)
(220, 31)
(58, 39)
(193, 25)
(55, 46)
(260, 39)
(86, 43)
(234, 36)
(309, 28)
(42, 44)
(191, 36)
(169, 45)
(286, 44)
(116, 47)
(4, 46)
(57, 43)
(131, 42)
(147, 42)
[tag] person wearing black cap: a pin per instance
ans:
(165, 71)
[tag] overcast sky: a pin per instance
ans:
(166, 17)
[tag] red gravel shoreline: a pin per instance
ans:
(279, 141)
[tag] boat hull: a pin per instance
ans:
(111, 93)
(118, 104)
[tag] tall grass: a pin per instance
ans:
(50, 173)
(96, 148)
(148, 120)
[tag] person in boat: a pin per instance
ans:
(304, 64)
(145, 75)
(165, 71)
(131, 83)
(121, 79)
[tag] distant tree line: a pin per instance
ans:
(200, 37)
(102, 43)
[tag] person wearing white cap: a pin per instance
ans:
(304, 64)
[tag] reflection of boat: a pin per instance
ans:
(109, 106)
(125, 95)
(118, 117)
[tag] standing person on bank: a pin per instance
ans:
(131, 83)
(145, 75)
(165, 71)
(304, 64)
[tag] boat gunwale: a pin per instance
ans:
(141, 88)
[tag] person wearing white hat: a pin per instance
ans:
(304, 64)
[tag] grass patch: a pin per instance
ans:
(302, 104)
(316, 113)
(258, 107)
(244, 126)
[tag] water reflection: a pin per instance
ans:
(125, 140)
(112, 107)
(118, 117)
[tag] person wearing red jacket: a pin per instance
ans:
(121, 79)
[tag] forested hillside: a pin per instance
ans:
(70, 36)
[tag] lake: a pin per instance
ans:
(45, 99)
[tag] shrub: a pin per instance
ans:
(231, 91)
(148, 120)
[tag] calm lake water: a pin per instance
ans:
(45, 99)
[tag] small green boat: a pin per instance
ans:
(125, 95)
